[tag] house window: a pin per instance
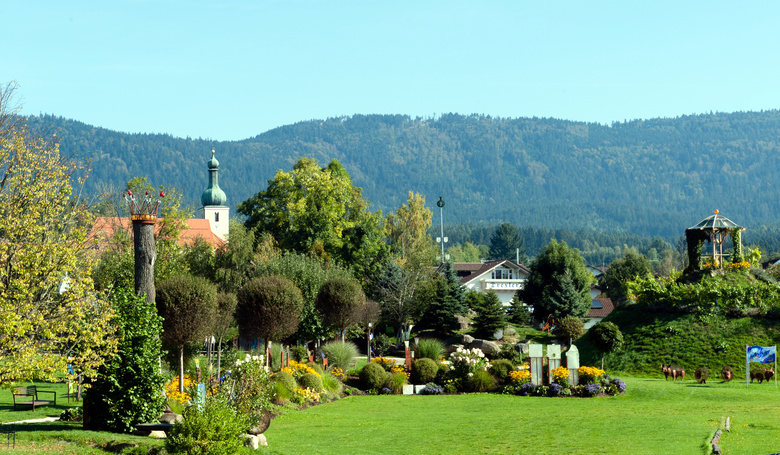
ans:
(502, 274)
(216, 217)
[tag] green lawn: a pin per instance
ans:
(653, 417)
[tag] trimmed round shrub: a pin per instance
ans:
(500, 369)
(286, 379)
(332, 385)
(481, 381)
(340, 354)
(424, 371)
(373, 376)
(213, 427)
(429, 348)
(311, 381)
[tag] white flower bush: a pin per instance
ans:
(464, 362)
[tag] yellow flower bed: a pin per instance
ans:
(338, 372)
(172, 389)
(298, 369)
(308, 393)
(744, 265)
(559, 374)
(518, 377)
(589, 374)
(400, 369)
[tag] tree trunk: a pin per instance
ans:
(181, 369)
(145, 254)
(219, 359)
(602, 361)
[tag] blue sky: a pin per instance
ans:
(230, 70)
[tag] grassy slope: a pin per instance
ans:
(687, 340)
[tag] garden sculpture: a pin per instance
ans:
(761, 375)
(702, 374)
(727, 374)
(674, 371)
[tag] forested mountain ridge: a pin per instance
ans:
(650, 177)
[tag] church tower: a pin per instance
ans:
(214, 202)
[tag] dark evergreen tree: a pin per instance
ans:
(490, 316)
(505, 242)
(440, 313)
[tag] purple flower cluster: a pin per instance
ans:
(621, 386)
(432, 389)
(555, 388)
(592, 389)
(526, 389)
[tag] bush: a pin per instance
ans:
(311, 381)
(385, 362)
(509, 352)
(127, 387)
(286, 379)
(397, 382)
(381, 344)
(501, 368)
(481, 381)
(432, 389)
(340, 354)
(212, 428)
(299, 353)
(424, 371)
(316, 367)
(429, 348)
(373, 376)
(332, 385)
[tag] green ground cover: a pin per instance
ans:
(654, 416)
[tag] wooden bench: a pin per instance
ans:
(31, 393)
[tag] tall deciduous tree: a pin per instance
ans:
(340, 301)
(318, 210)
(269, 307)
(559, 283)
(187, 305)
(633, 265)
(407, 231)
(506, 243)
(49, 310)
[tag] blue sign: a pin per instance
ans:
(761, 354)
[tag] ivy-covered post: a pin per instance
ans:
(695, 241)
(736, 239)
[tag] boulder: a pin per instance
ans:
(255, 441)
(487, 347)
(463, 322)
(453, 347)
(522, 348)
(171, 417)
(509, 331)
(467, 339)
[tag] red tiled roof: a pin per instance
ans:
(106, 227)
(606, 308)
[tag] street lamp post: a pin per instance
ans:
(441, 239)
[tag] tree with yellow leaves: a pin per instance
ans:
(50, 314)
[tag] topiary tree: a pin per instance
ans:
(127, 388)
(339, 301)
(569, 328)
(607, 337)
(424, 371)
(491, 314)
(187, 305)
(269, 307)
(373, 376)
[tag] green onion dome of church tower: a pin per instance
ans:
(213, 194)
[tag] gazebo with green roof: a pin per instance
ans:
(714, 228)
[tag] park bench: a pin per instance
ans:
(28, 396)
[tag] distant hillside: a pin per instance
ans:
(651, 177)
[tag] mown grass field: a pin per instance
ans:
(653, 417)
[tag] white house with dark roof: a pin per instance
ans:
(504, 277)
(599, 309)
